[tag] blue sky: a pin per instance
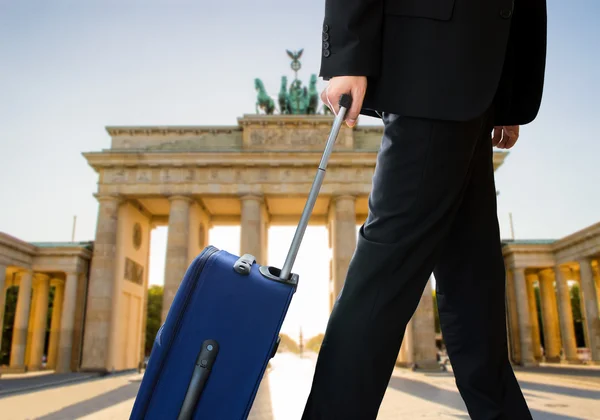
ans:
(70, 68)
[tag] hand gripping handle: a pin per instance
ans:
(345, 104)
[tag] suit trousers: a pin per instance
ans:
(432, 208)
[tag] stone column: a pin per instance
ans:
(177, 249)
(252, 228)
(59, 292)
(100, 303)
(423, 323)
(2, 299)
(523, 311)
(145, 305)
(550, 317)
(342, 225)
(265, 235)
(67, 322)
(19, 338)
(590, 303)
(32, 308)
(42, 284)
(596, 270)
(565, 314)
(533, 311)
(406, 356)
(513, 317)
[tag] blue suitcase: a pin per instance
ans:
(210, 355)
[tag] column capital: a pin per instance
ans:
(532, 276)
(40, 277)
(596, 269)
(23, 271)
(564, 270)
(109, 197)
(180, 197)
(253, 197)
(335, 198)
(56, 282)
(584, 260)
(546, 274)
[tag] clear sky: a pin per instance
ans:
(70, 68)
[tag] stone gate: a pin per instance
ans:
(256, 174)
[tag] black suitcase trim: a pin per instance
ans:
(204, 363)
(273, 273)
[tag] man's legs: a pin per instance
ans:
(470, 289)
(422, 172)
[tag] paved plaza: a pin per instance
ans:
(553, 393)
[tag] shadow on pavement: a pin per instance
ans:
(452, 399)
(558, 389)
(561, 370)
(10, 386)
(94, 404)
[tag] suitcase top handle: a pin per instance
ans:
(244, 264)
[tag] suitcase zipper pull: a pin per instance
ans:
(244, 264)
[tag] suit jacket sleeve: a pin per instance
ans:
(351, 38)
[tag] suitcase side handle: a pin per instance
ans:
(203, 366)
(345, 103)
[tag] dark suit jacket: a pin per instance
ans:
(442, 59)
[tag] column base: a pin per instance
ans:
(405, 365)
(422, 366)
(99, 371)
(571, 362)
(555, 359)
(529, 363)
(13, 369)
(428, 366)
(106, 372)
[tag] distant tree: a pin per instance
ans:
(538, 302)
(287, 344)
(577, 317)
(49, 319)
(9, 319)
(314, 344)
(153, 320)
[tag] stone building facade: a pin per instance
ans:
(33, 269)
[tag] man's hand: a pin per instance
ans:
(356, 86)
(505, 136)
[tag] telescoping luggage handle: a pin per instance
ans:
(345, 103)
(244, 263)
